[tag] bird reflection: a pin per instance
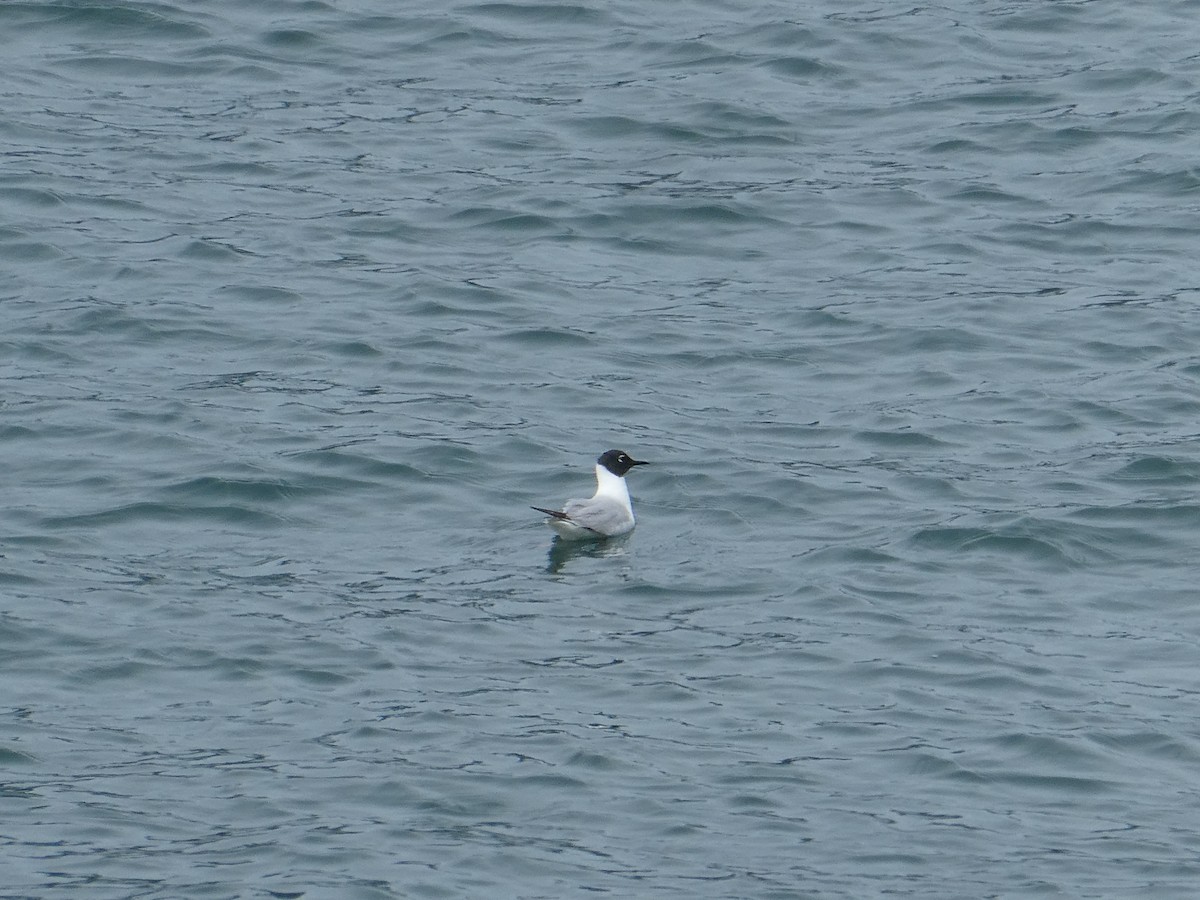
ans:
(562, 552)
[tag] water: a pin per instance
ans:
(304, 304)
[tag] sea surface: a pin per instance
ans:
(303, 305)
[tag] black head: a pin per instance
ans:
(619, 462)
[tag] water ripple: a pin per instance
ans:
(306, 306)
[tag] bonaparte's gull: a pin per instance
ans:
(607, 513)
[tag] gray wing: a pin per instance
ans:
(600, 514)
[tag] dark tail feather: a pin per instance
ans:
(563, 517)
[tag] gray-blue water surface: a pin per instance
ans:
(305, 303)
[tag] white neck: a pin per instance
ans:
(610, 485)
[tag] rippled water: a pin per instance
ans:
(304, 304)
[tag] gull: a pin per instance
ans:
(608, 512)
